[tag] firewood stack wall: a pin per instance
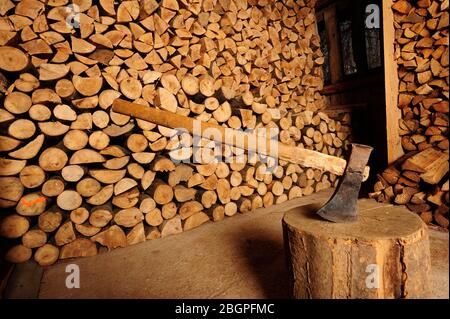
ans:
(76, 176)
(420, 179)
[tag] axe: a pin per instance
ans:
(342, 205)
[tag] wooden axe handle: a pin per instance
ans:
(233, 137)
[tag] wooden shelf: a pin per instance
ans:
(349, 85)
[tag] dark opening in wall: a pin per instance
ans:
(352, 43)
(359, 37)
(345, 29)
(324, 48)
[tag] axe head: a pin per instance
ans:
(341, 208)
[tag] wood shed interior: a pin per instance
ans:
(190, 217)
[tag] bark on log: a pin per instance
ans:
(332, 260)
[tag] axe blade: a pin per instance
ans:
(341, 208)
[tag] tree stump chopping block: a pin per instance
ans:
(385, 254)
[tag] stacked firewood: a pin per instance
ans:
(75, 174)
(420, 179)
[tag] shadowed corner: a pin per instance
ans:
(265, 258)
(311, 211)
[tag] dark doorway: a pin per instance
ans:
(352, 42)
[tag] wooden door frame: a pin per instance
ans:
(391, 83)
(393, 114)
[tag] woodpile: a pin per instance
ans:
(74, 175)
(420, 179)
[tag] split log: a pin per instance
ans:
(34, 238)
(128, 217)
(18, 254)
(230, 209)
(107, 176)
(69, 200)
(50, 220)
(32, 204)
(123, 185)
(127, 199)
(136, 235)
(80, 247)
(154, 217)
(53, 187)
(189, 208)
(161, 192)
(112, 238)
(183, 194)
(12, 59)
(152, 233)
(8, 143)
(65, 234)
(22, 129)
(87, 229)
(10, 167)
(79, 215)
(195, 220)
(29, 150)
(14, 226)
(147, 204)
(171, 227)
(46, 255)
(100, 216)
(88, 187)
(169, 210)
(52, 159)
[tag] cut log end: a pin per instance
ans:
(389, 240)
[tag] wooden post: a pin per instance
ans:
(393, 113)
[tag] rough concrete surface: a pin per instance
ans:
(439, 263)
(239, 257)
(25, 281)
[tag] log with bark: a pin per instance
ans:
(333, 273)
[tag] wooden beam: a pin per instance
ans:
(232, 137)
(334, 45)
(334, 110)
(393, 113)
(350, 85)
